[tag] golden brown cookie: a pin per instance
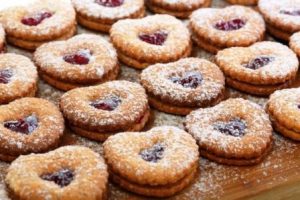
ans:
(100, 15)
(295, 43)
(260, 69)
(184, 85)
(80, 61)
(29, 125)
(178, 8)
(282, 17)
(18, 77)
(32, 25)
(218, 28)
(234, 132)
(150, 40)
(68, 173)
(284, 109)
(157, 163)
(97, 112)
(243, 2)
(2, 40)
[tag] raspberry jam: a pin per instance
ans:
(108, 104)
(153, 154)
(188, 79)
(259, 62)
(157, 38)
(81, 57)
(36, 18)
(25, 125)
(62, 178)
(5, 76)
(110, 3)
(295, 12)
(230, 25)
(235, 127)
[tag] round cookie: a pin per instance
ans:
(18, 77)
(157, 163)
(295, 43)
(282, 17)
(100, 15)
(80, 61)
(283, 108)
(184, 85)
(260, 69)
(214, 29)
(32, 25)
(29, 125)
(97, 112)
(150, 40)
(234, 132)
(243, 2)
(69, 173)
(178, 8)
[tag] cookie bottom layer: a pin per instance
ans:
(32, 45)
(206, 45)
(285, 131)
(278, 33)
(259, 90)
(65, 86)
(157, 191)
(103, 136)
(236, 161)
(243, 2)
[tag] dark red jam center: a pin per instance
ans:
(81, 57)
(298, 106)
(235, 127)
(25, 125)
(295, 12)
(188, 79)
(62, 178)
(154, 153)
(108, 104)
(110, 3)
(259, 62)
(230, 25)
(5, 76)
(157, 38)
(36, 18)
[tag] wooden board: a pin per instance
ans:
(277, 177)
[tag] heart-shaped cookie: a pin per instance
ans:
(218, 28)
(158, 163)
(150, 40)
(32, 25)
(259, 69)
(80, 61)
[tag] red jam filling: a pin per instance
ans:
(36, 19)
(81, 57)
(5, 76)
(110, 3)
(259, 62)
(157, 38)
(235, 127)
(230, 25)
(25, 125)
(62, 178)
(153, 154)
(188, 80)
(295, 12)
(108, 104)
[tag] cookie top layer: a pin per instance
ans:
(178, 5)
(295, 43)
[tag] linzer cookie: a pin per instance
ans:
(157, 163)
(80, 61)
(32, 25)
(100, 15)
(184, 85)
(284, 109)
(177, 8)
(295, 43)
(282, 17)
(150, 40)
(259, 69)
(218, 28)
(243, 2)
(234, 132)
(69, 173)
(98, 112)
(29, 125)
(18, 77)
(2, 40)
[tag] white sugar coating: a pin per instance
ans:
(283, 66)
(156, 81)
(203, 20)
(50, 58)
(295, 43)
(271, 10)
(94, 10)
